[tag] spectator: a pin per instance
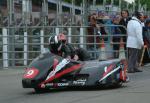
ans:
(101, 28)
(142, 19)
(124, 21)
(116, 32)
(146, 37)
(125, 18)
(134, 41)
(92, 24)
(94, 31)
(0, 18)
(146, 32)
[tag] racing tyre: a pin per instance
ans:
(40, 90)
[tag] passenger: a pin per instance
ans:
(59, 46)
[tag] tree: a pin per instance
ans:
(37, 2)
(68, 1)
(143, 3)
(77, 2)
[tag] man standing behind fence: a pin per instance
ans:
(134, 41)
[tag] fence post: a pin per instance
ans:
(25, 48)
(69, 35)
(5, 48)
(57, 31)
(81, 37)
(42, 40)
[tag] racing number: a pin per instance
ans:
(30, 72)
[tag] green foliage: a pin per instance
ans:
(116, 2)
(143, 2)
(37, 2)
(68, 1)
(77, 2)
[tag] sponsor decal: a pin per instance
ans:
(107, 69)
(109, 73)
(58, 75)
(62, 84)
(31, 73)
(79, 82)
(58, 68)
(49, 84)
(43, 86)
(57, 84)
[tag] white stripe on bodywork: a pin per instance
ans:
(58, 68)
(109, 73)
(56, 39)
(49, 39)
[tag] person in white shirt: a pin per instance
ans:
(134, 41)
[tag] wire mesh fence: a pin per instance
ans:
(20, 45)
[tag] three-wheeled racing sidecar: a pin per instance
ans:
(51, 71)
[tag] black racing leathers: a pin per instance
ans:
(69, 50)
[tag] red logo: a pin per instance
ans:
(31, 73)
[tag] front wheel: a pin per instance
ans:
(40, 90)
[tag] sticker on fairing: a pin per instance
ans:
(31, 73)
(80, 82)
(58, 68)
(108, 74)
(57, 84)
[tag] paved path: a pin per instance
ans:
(136, 91)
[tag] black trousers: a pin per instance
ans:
(133, 58)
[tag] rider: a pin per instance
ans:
(59, 46)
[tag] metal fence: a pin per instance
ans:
(20, 45)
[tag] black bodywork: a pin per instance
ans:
(52, 71)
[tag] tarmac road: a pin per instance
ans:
(136, 91)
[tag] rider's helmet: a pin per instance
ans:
(56, 40)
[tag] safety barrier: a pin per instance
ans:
(20, 45)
